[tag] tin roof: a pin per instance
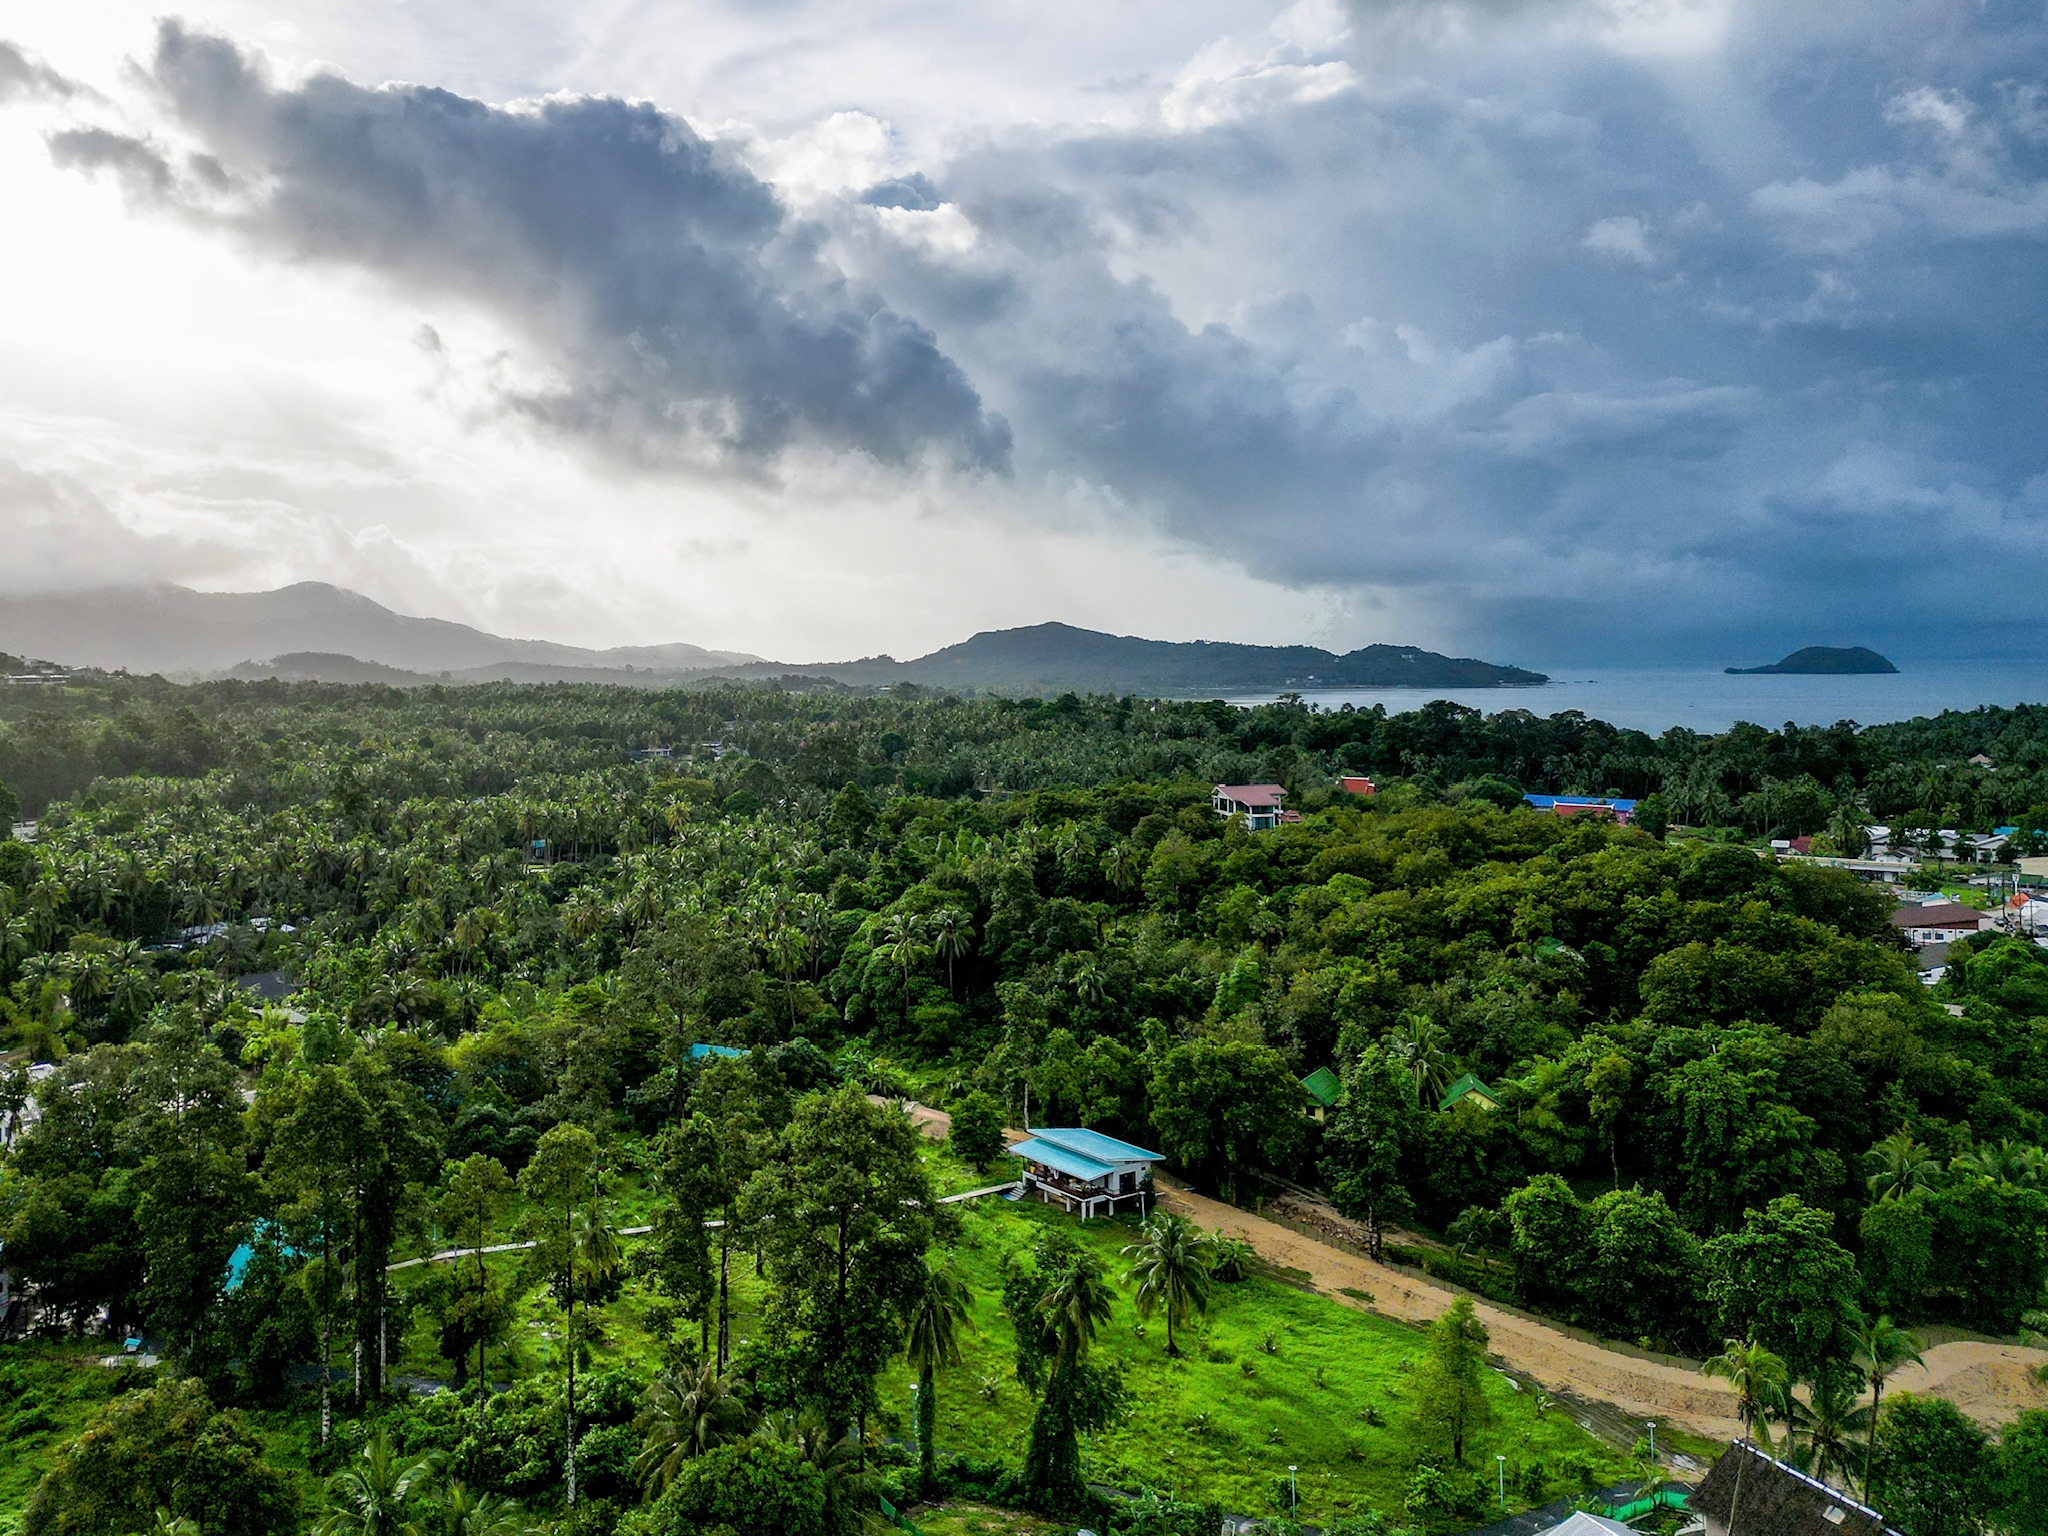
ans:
(1093, 1144)
(1058, 1157)
(1324, 1086)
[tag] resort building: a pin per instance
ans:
(1258, 806)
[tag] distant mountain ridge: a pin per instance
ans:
(315, 632)
(174, 629)
(1052, 656)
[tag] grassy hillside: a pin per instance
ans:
(1272, 1376)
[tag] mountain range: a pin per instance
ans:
(315, 632)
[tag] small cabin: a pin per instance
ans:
(1757, 1494)
(1324, 1089)
(1085, 1172)
(1469, 1090)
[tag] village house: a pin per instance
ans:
(1258, 806)
(1357, 784)
(1468, 1090)
(1623, 811)
(1085, 1172)
(1939, 922)
(1764, 1497)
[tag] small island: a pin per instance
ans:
(1823, 661)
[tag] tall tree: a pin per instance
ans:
(845, 1212)
(474, 1194)
(1450, 1384)
(938, 1311)
(1374, 1122)
(1169, 1266)
(1224, 1107)
(1056, 1304)
(1882, 1349)
(561, 1182)
(1761, 1382)
(1784, 1281)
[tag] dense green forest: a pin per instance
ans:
(1733, 1122)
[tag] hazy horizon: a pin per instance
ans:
(1543, 331)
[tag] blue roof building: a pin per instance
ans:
(1085, 1172)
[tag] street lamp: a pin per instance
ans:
(1653, 1441)
(1293, 1489)
(916, 1429)
(1500, 1473)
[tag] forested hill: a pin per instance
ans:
(1728, 1107)
(1052, 658)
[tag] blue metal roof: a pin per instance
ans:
(699, 1052)
(1545, 802)
(1071, 1163)
(1101, 1148)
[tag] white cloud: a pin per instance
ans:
(1623, 238)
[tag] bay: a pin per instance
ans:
(1655, 699)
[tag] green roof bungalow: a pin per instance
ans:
(1325, 1088)
(1469, 1090)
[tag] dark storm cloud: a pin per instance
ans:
(679, 303)
(1578, 346)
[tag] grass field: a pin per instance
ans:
(1272, 1377)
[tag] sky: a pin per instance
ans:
(1550, 331)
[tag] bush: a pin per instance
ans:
(165, 1447)
(750, 1488)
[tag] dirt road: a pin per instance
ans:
(1990, 1382)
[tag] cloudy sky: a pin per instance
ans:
(1546, 330)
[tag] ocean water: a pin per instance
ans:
(1654, 699)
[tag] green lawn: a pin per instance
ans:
(1205, 1427)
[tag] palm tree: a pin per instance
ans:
(1760, 1381)
(1882, 1349)
(685, 1414)
(1824, 1429)
(1077, 1304)
(371, 1493)
(1900, 1165)
(1170, 1268)
(952, 936)
(1420, 1043)
(460, 1511)
(2003, 1162)
(937, 1314)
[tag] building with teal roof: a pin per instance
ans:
(1085, 1172)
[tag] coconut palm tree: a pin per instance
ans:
(936, 1315)
(1760, 1381)
(1900, 1165)
(1420, 1043)
(1882, 1349)
(1077, 1304)
(370, 1496)
(459, 1510)
(685, 1414)
(1824, 1430)
(1171, 1271)
(2003, 1162)
(952, 936)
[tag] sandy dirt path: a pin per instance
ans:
(1990, 1382)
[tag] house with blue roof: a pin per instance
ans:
(1085, 1172)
